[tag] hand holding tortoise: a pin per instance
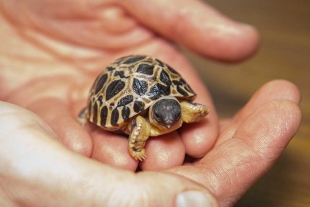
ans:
(53, 52)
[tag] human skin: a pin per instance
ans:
(53, 50)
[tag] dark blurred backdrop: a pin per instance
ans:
(284, 26)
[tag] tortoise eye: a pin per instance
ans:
(178, 116)
(156, 116)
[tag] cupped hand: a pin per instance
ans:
(37, 170)
(55, 49)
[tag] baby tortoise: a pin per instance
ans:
(143, 97)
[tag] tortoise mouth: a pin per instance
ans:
(169, 123)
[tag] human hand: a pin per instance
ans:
(249, 143)
(36, 168)
(55, 49)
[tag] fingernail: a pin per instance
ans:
(195, 199)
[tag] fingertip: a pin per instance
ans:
(199, 27)
(272, 90)
(112, 149)
(74, 137)
(217, 36)
(163, 152)
(230, 42)
(272, 124)
(282, 89)
(199, 138)
(168, 189)
(291, 114)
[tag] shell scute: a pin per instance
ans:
(140, 87)
(114, 88)
(125, 100)
(164, 77)
(101, 82)
(103, 115)
(145, 69)
(158, 90)
(125, 113)
(138, 106)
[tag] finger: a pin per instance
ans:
(199, 137)
(273, 90)
(197, 26)
(276, 89)
(85, 183)
(57, 114)
(112, 149)
(163, 152)
(232, 167)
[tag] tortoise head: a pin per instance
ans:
(165, 113)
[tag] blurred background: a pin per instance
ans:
(284, 26)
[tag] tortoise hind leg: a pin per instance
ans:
(139, 134)
(193, 112)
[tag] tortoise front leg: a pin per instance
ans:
(193, 112)
(139, 134)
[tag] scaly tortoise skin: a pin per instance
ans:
(143, 97)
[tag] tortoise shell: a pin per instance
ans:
(129, 86)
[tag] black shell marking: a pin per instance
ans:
(110, 68)
(114, 117)
(119, 73)
(164, 77)
(145, 69)
(100, 82)
(172, 70)
(114, 88)
(125, 113)
(129, 86)
(139, 86)
(158, 90)
(138, 106)
(103, 116)
(95, 113)
(134, 59)
(160, 63)
(181, 91)
(125, 100)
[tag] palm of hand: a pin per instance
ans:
(73, 51)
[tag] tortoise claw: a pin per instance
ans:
(138, 155)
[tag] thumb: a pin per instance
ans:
(159, 189)
(37, 170)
